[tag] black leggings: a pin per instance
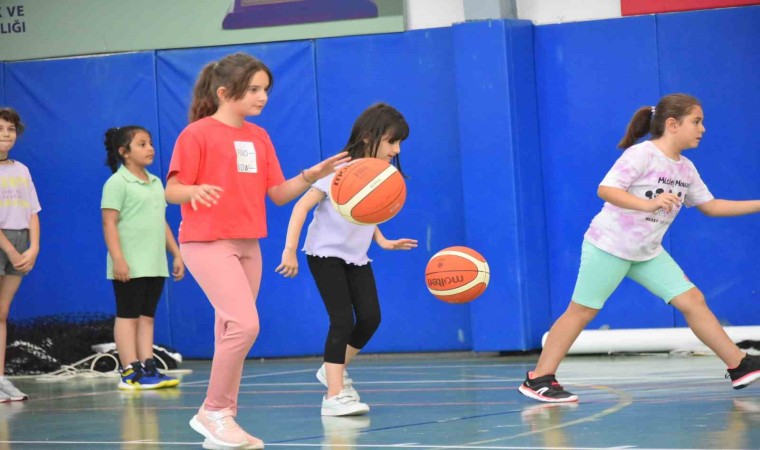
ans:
(346, 289)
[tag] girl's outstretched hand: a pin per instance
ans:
(326, 167)
(288, 268)
(667, 201)
(398, 244)
(205, 194)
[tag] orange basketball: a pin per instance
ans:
(368, 191)
(457, 275)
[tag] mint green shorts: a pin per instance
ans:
(601, 273)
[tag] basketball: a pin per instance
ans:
(368, 191)
(457, 275)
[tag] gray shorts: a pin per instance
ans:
(20, 240)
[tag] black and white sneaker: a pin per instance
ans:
(746, 373)
(545, 389)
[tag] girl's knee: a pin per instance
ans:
(146, 320)
(582, 312)
(369, 323)
(690, 300)
(250, 330)
(342, 321)
(4, 315)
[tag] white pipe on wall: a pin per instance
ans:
(650, 340)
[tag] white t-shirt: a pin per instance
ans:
(330, 234)
(644, 171)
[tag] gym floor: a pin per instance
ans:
(430, 401)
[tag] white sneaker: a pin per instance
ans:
(348, 383)
(343, 405)
(11, 391)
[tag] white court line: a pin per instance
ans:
(610, 379)
(320, 445)
(625, 400)
(258, 375)
(460, 447)
(566, 381)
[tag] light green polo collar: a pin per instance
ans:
(130, 177)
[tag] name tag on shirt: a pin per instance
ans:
(246, 157)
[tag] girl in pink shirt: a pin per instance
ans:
(221, 171)
(643, 193)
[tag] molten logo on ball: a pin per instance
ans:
(445, 281)
(457, 275)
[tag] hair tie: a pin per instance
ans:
(653, 109)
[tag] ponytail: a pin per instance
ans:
(113, 157)
(204, 101)
(232, 72)
(651, 119)
(638, 127)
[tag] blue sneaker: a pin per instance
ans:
(133, 377)
(151, 370)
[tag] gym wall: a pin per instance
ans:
(512, 128)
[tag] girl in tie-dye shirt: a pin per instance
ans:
(643, 193)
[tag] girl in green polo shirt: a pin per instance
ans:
(137, 237)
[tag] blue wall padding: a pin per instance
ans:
(67, 105)
(512, 129)
(355, 72)
(714, 56)
(589, 86)
(501, 178)
(287, 307)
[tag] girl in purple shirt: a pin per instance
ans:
(336, 251)
(19, 235)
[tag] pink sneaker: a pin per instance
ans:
(254, 443)
(219, 427)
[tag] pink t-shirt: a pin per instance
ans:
(241, 161)
(644, 171)
(18, 197)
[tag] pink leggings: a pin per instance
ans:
(229, 272)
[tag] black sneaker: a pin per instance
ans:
(545, 389)
(746, 373)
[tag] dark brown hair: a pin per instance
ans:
(10, 115)
(115, 139)
(374, 123)
(234, 72)
(645, 120)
